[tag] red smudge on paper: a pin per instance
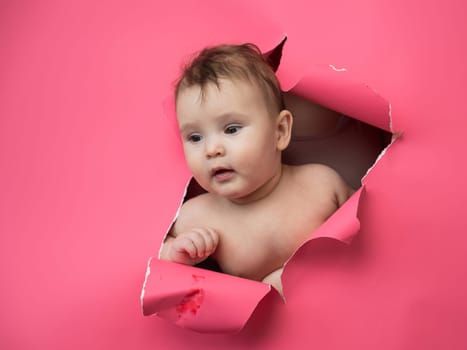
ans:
(191, 302)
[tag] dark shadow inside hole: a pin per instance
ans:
(321, 135)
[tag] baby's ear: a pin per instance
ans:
(284, 129)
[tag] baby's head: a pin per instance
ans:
(233, 125)
(232, 62)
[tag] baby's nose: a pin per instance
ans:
(214, 148)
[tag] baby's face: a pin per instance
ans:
(229, 137)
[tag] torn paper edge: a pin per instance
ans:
(394, 137)
(146, 278)
(148, 268)
(177, 213)
(337, 69)
(360, 191)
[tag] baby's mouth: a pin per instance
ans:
(222, 174)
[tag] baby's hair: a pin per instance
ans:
(243, 62)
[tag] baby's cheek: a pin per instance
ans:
(195, 171)
(259, 159)
(193, 162)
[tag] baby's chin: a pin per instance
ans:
(233, 196)
(241, 197)
(234, 193)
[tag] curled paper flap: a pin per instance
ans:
(336, 89)
(340, 228)
(344, 224)
(199, 299)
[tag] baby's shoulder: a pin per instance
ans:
(194, 211)
(315, 172)
(322, 178)
(198, 204)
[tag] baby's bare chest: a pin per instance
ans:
(256, 240)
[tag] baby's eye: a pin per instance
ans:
(195, 138)
(232, 129)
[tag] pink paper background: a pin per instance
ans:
(83, 152)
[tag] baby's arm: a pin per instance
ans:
(190, 247)
(330, 183)
(342, 190)
(190, 241)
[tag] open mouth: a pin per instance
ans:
(220, 171)
(222, 174)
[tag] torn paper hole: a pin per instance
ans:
(351, 128)
(210, 301)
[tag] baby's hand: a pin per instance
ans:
(193, 246)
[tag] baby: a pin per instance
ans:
(257, 211)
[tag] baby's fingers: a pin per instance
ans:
(212, 240)
(206, 241)
(185, 245)
(198, 238)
